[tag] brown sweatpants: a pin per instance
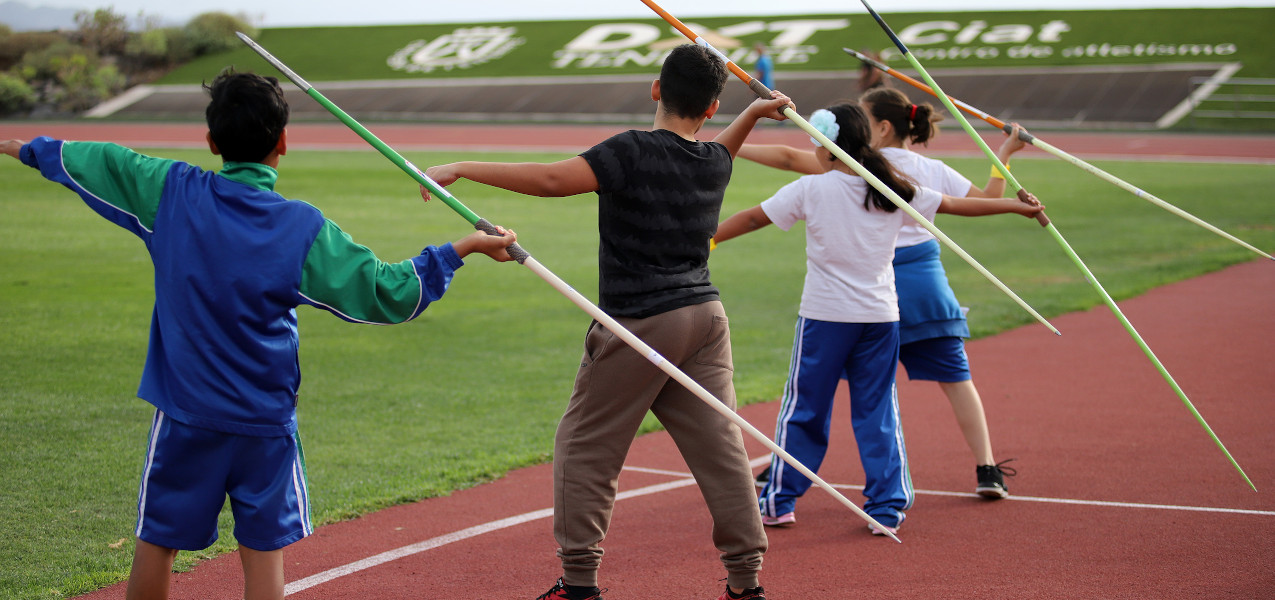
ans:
(614, 388)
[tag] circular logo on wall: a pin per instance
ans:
(460, 49)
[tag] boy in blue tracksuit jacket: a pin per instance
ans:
(232, 261)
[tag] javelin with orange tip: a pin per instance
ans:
(1039, 143)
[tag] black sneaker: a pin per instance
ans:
(763, 477)
(991, 480)
(756, 593)
(559, 591)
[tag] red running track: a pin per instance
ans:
(577, 138)
(1120, 494)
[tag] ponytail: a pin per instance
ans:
(876, 163)
(853, 138)
(913, 122)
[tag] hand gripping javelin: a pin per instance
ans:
(1089, 276)
(524, 258)
(763, 92)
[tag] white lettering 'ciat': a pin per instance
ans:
(936, 32)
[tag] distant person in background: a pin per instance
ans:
(765, 67)
(870, 76)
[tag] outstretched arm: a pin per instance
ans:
(783, 157)
(744, 221)
(979, 207)
(734, 135)
(996, 183)
(11, 147)
(563, 178)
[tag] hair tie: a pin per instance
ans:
(824, 122)
(912, 115)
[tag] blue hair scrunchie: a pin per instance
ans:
(826, 123)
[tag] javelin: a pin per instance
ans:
(938, 92)
(763, 92)
(1039, 143)
(524, 258)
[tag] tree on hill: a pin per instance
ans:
(48, 73)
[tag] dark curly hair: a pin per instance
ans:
(246, 115)
(690, 80)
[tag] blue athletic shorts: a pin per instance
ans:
(935, 359)
(189, 471)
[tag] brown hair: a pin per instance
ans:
(853, 137)
(914, 122)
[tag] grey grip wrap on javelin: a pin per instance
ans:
(1022, 135)
(515, 251)
(760, 89)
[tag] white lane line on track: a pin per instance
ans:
(1234, 511)
(685, 480)
(464, 534)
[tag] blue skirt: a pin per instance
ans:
(927, 306)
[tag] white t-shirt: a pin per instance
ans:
(929, 173)
(849, 249)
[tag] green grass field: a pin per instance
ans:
(475, 386)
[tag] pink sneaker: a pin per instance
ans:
(783, 520)
(875, 531)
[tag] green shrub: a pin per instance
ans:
(15, 95)
(215, 31)
(85, 84)
(103, 30)
(70, 76)
(16, 45)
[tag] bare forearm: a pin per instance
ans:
(744, 221)
(734, 135)
(981, 207)
(11, 147)
(523, 178)
(781, 157)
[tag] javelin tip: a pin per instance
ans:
(276, 63)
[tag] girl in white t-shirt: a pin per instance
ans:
(932, 323)
(849, 314)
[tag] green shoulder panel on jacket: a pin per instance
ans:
(130, 181)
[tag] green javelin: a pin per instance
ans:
(1089, 276)
(576, 297)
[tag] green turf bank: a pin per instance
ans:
(798, 43)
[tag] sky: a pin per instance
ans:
(296, 13)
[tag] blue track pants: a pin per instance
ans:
(868, 354)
